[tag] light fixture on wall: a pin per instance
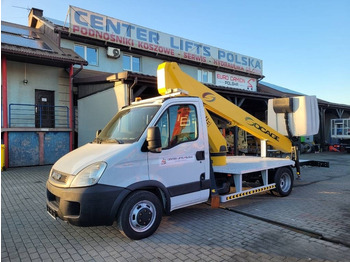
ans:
(25, 81)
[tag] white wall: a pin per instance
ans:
(149, 65)
(95, 111)
(39, 77)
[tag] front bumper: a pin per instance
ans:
(87, 206)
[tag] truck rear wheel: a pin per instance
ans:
(140, 215)
(284, 181)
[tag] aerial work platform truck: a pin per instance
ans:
(167, 152)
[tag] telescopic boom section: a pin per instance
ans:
(171, 77)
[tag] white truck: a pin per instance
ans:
(162, 154)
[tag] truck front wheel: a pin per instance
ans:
(284, 181)
(140, 215)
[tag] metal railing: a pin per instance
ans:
(39, 116)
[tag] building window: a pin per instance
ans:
(131, 63)
(90, 54)
(205, 76)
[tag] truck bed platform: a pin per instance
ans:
(239, 165)
(246, 164)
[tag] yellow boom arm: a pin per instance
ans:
(171, 77)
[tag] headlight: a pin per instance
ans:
(89, 175)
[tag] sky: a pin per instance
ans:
(304, 44)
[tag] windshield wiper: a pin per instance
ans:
(97, 140)
(112, 140)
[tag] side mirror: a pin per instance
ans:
(154, 140)
(98, 132)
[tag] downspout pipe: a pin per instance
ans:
(4, 106)
(71, 108)
(71, 71)
(131, 89)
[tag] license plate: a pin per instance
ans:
(51, 212)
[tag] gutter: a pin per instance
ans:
(71, 77)
(131, 88)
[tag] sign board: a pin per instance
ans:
(101, 27)
(235, 81)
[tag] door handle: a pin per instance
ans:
(200, 155)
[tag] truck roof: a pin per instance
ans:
(161, 99)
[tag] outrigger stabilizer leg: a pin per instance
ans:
(214, 196)
(295, 157)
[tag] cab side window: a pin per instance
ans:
(178, 124)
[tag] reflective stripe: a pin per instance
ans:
(249, 192)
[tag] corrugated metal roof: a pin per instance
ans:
(56, 22)
(280, 88)
(282, 91)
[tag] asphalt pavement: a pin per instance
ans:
(311, 224)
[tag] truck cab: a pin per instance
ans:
(96, 183)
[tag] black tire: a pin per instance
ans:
(140, 215)
(284, 179)
(307, 147)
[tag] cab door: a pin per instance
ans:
(181, 165)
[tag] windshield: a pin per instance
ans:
(127, 126)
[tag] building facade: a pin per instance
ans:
(100, 64)
(123, 60)
(36, 95)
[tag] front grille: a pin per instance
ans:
(73, 208)
(55, 200)
(70, 208)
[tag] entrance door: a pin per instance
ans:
(44, 109)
